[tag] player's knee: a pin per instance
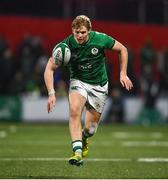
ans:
(93, 128)
(74, 112)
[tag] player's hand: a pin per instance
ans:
(126, 82)
(51, 103)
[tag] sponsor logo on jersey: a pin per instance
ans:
(85, 66)
(94, 51)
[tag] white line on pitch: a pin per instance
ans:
(12, 128)
(145, 143)
(147, 160)
(65, 159)
(152, 160)
(125, 135)
(3, 134)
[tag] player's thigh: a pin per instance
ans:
(92, 116)
(76, 102)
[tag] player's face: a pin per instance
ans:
(81, 35)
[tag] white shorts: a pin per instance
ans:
(95, 95)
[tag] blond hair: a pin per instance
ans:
(82, 20)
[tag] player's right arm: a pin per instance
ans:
(49, 82)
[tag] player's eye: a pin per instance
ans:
(83, 32)
(80, 32)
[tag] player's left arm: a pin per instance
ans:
(123, 57)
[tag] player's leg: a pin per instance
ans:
(76, 103)
(90, 128)
(95, 104)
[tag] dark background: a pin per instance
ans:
(136, 11)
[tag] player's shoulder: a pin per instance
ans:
(70, 41)
(98, 35)
(65, 41)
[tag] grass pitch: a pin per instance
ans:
(116, 151)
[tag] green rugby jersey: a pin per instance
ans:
(87, 61)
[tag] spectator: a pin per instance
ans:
(61, 88)
(131, 72)
(164, 73)
(116, 109)
(147, 54)
(17, 85)
(7, 70)
(3, 45)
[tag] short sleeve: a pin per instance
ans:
(108, 41)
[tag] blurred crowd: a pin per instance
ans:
(22, 69)
(21, 72)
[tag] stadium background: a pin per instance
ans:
(29, 31)
(132, 139)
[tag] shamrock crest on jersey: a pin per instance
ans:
(94, 51)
